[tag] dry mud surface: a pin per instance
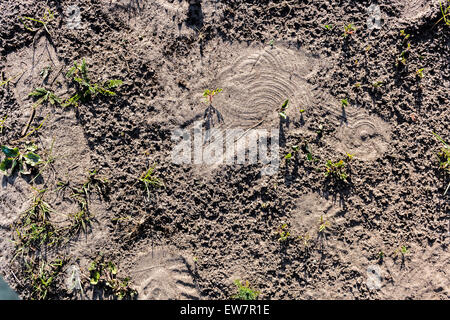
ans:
(212, 224)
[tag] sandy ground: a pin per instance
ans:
(214, 223)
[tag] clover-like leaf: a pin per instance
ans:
(6, 164)
(32, 159)
(95, 277)
(10, 153)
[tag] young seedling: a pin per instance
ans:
(308, 151)
(380, 256)
(337, 170)
(283, 233)
(209, 94)
(34, 229)
(419, 73)
(42, 277)
(445, 13)
(44, 95)
(85, 89)
(33, 24)
(328, 26)
(349, 30)
(402, 251)
(295, 150)
(323, 225)
(402, 58)
(444, 158)
(45, 72)
(104, 275)
(283, 109)
(149, 181)
(24, 161)
(344, 103)
(245, 292)
(305, 239)
(210, 110)
(377, 84)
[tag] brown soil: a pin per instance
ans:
(212, 224)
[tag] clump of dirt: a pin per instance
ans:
(296, 234)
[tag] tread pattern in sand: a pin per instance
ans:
(308, 210)
(258, 82)
(163, 275)
(366, 137)
(357, 132)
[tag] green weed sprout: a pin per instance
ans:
(337, 170)
(349, 30)
(104, 274)
(149, 181)
(209, 94)
(44, 95)
(283, 109)
(295, 150)
(16, 160)
(34, 228)
(283, 233)
(445, 13)
(344, 103)
(29, 23)
(245, 292)
(42, 277)
(305, 239)
(323, 225)
(419, 73)
(86, 90)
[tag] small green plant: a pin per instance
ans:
(323, 224)
(344, 103)
(44, 95)
(338, 170)
(33, 24)
(328, 26)
(403, 251)
(419, 73)
(149, 181)
(104, 274)
(305, 239)
(349, 30)
(445, 13)
(245, 292)
(283, 233)
(444, 158)
(45, 72)
(81, 220)
(406, 46)
(283, 109)
(41, 277)
(381, 256)
(209, 94)
(34, 229)
(377, 84)
(308, 151)
(85, 88)
(295, 150)
(24, 161)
